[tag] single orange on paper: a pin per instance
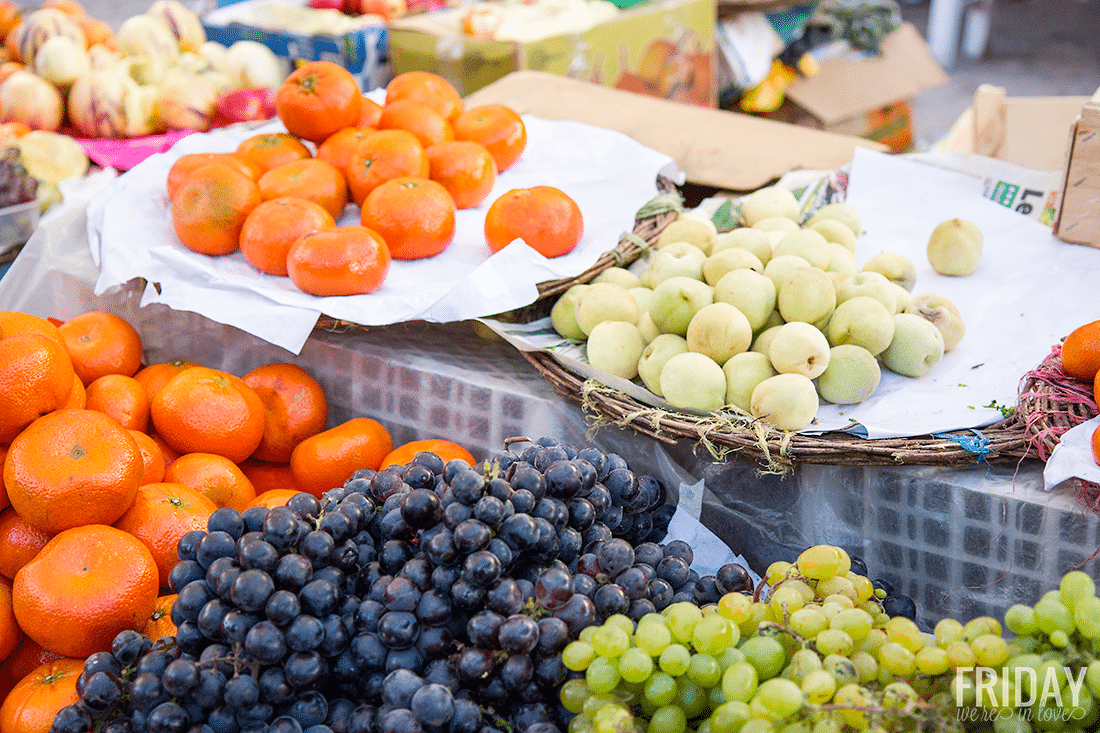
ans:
(348, 260)
(275, 225)
(317, 99)
(544, 217)
(185, 165)
(382, 156)
(270, 149)
(210, 207)
(426, 88)
(429, 126)
(466, 169)
(415, 217)
(496, 126)
(338, 147)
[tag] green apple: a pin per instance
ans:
(620, 276)
(835, 231)
(745, 238)
(727, 260)
(750, 292)
(799, 348)
(653, 358)
(862, 321)
(917, 346)
(615, 347)
(785, 401)
(805, 243)
(668, 263)
(743, 372)
(943, 314)
(780, 268)
(720, 331)
(806, 295)
(604, 302)
(676, 301)
(955, 247)
(846, 214)
(694, 381)
(563, 316)
(895, 266)
(698, 231)
(852, 376)
(769, 201)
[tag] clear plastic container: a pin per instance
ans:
(17, 224)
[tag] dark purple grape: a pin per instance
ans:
(482, 568)
(518, 634)
(681, 549)
(433, 705)
(398, 629)
(504, 597)
(733, 578)
(420, 508)
(553, 589)
(610, 600)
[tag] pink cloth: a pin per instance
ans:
(124, 154)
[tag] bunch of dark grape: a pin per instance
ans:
(425, 598)
(17, 186)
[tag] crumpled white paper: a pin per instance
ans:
(608, 174)
(1072, 457)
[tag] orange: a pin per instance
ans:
(13, 322)
(69, 7)
(185, 165)
(210, 207)
(102, 343)
(87, 584)
(205, 410)
(415, 216)
(328, 459)
(1095, 445)
(27, 657)
(270, 149)
(273, 498)
(544, 217)
(72, 467)
(338, 147)
(370, 113)
(36, 377)
(426, 88)
(34, 701)
(162, 513)
(1081, 352)
(347, 260)
(384, 155)
(310, 179)
(295, 408)
(170, 454)
(10, 633)
(155, 376)
(95, 31)
(267, 476)
(160, 622)
(19, 542)
(498, 127)
(429, 126)
(216, 477)
(275, 225)
(317, 99)
(152, 458)
(10, 14)
(445, 449)
(122, 398)
(465, 169)
(78, 396)
(4, 501)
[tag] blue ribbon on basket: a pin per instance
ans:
(976, 443)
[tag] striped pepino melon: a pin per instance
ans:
(40, 26)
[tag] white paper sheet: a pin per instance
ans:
(609, 175)
(1072, 457)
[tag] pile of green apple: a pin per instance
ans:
(769, 317)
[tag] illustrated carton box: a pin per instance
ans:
(664, 49)
(1079, 216)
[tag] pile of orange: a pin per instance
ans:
(408, 165)
(106, 463)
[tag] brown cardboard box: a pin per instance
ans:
(664, 49)
(857, 94)
(716, 148)
(1079, 217)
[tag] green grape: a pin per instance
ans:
(798, 726)
(818, 687)
(653, 617)
(1011, 724)
(837, 586)
(602, 675)
(875, 639)
(691, 697)
(594, 702)
(823, 561)
(757, 725)
(834, 641)
(682, 618)
(866, 666)
(1051, 615)
(897, 659)
(1086, 616)
(586, 634)
(947, 631)
(716, 698)
(840, 668)
(581, 724)
(766, 654)
(1059, 639)
(578, 655)
(854, 622)
(675, 659)
(757, 611)
(610, 641)
(897, 695)
(661, 689)
(704, 670)
(737, 607)
(808, 622)
(932, 660)
(573, 695)
(1019, 619)
(740, 680)
(730, 655)
(652, 637)
(777, 571)
(1023, 645)
(758, 711)
(852, 696)
(635, 665)
(990, 650)
(802, 663)
(1044, 671)
(979, 625)
(714, 633)
(668, 719)
(829, 722)
(785, 599)
(703, 727)
(622, 621)
(612, 719)
(905, 631)
(960, 654)
(1092, 677)
(729, 717)
(1076, 586)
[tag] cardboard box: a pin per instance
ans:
(1079, 216)
(858, 93)
(363, 52)
(716, 148)
(663, 49)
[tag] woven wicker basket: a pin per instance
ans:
(1051, 402)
